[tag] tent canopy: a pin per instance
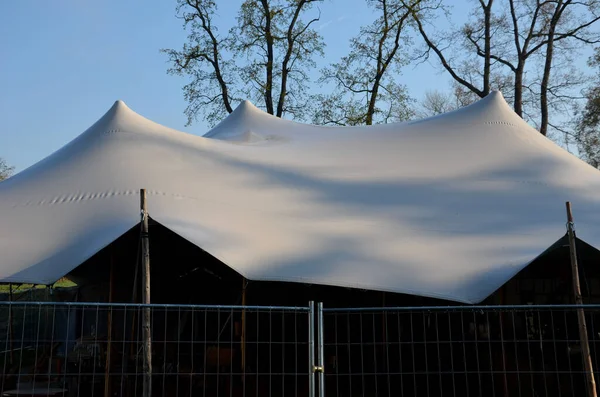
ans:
(448, 207)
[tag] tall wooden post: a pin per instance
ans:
(147, 337)
(583, 335)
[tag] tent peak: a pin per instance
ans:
(246, 106)
(120, 104)
(495, 96)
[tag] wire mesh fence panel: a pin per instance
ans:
(457, 351)
(89, 349)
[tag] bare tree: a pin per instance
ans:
(267, 57)
(563, 21)
(279, 47)
(475, 32)
(5, 170)
(587, 122)
(364, 91)
(437, 102)
(509, 39)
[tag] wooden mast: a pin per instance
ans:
(583, 335)
(147, 337)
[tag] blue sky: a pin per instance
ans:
(64, 62)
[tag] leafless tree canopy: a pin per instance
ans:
(365, 87)
(5, 170)
(267, 57)
(525, 48)
(515, 46)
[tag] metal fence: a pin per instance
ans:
(93, 349)
(457, 351)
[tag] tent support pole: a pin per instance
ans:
(109, 326)
(147, 337)
(583, 335)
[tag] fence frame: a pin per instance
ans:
(424, 310)
(308, 311)
(316, 323)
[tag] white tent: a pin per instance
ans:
(448, 207)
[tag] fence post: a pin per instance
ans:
(320, 350)
(311, 349)
(583, 335)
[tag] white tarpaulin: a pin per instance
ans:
(449, 207)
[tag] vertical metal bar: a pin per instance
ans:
(270, 352)
(583, 334)
(450, 342)
(6, 349)
(165, 338)
(320, 350)
(96, 350)
(349, 347)
(231, 362)
(463, 341)
(37, 342)
(296, 371)
(375, 367)
(205, 340)
(542, 359)
(177, 367)
(283, 347)
(556, 362)
(387, 343)
(64, 382)
(489, 338)
(439, 354)
(362, 353)
(516, 341)
(51, 348)
(124, 354)
(337, 354)
(425, 318)
(311, 349)
(400, 344)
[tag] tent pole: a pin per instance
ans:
(109, 326)
(147, 337)
(583, 335)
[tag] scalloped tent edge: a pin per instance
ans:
(356, 207)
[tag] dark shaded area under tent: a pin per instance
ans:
(185, 274)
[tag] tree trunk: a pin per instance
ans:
(487, 10)
(518, 102)
(270, 56)
(548, 68)
(286, 60)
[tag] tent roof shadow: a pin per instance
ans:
(182, 272)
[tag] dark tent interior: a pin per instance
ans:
(227, 350)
